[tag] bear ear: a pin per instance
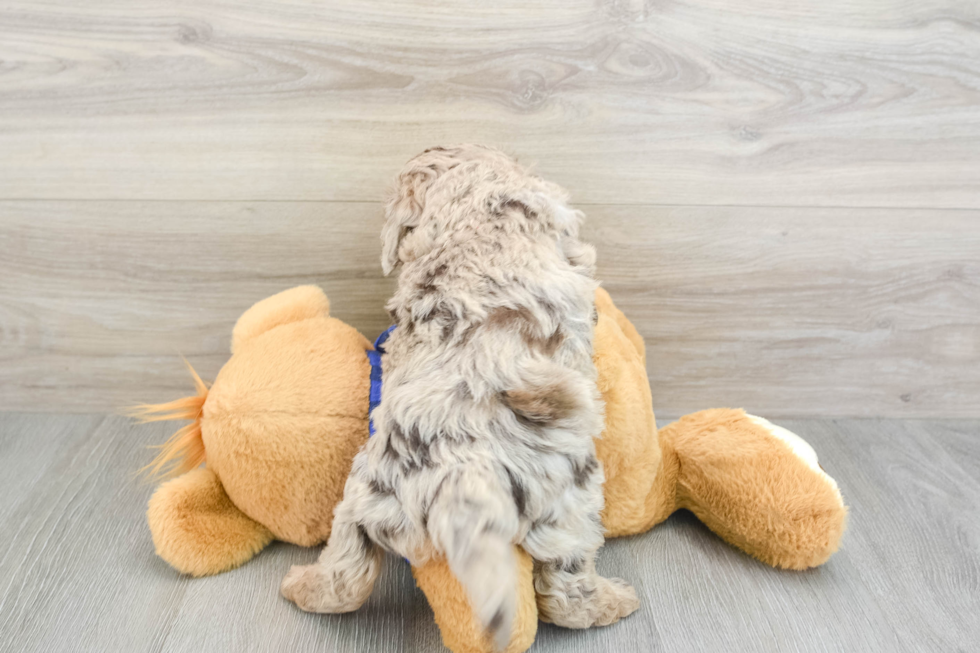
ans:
(293, 305)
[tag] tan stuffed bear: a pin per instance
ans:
(281, 423)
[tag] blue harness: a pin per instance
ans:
(374, 357)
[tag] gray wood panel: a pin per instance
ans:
(80, 574)
(690, 102)
(98, 300)
(784, 311)
(77, 564)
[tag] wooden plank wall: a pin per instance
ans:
(785, 196)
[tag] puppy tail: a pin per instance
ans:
(473, 521)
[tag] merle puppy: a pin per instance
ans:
(489, 402)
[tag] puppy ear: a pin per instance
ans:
(578, 253)
(566, 222)
(403, 210)
(391, 237)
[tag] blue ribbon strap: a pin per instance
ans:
(374, 357)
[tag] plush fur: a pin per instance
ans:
(205, 533)
(461, 632)
(793, 518)
(762, 496)
(280, 427)
(757, 486)
(489, 409)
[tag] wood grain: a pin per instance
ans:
(784, 197)
(782, 311)
(75, 556)
(800, 311)
(80, 573)
(676, 102)
(100, 300)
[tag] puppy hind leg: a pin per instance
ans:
(570, 592)
(577, 596)
(343, 577)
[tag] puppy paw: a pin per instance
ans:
(305, 586)
(615, 599)
(599, 602)
(314, 588)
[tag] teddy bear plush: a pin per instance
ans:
(279, 427)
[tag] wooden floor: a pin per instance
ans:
(79, 573)
(785, 196)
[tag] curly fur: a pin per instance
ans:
(489, 404)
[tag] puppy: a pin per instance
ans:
(484, 434)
